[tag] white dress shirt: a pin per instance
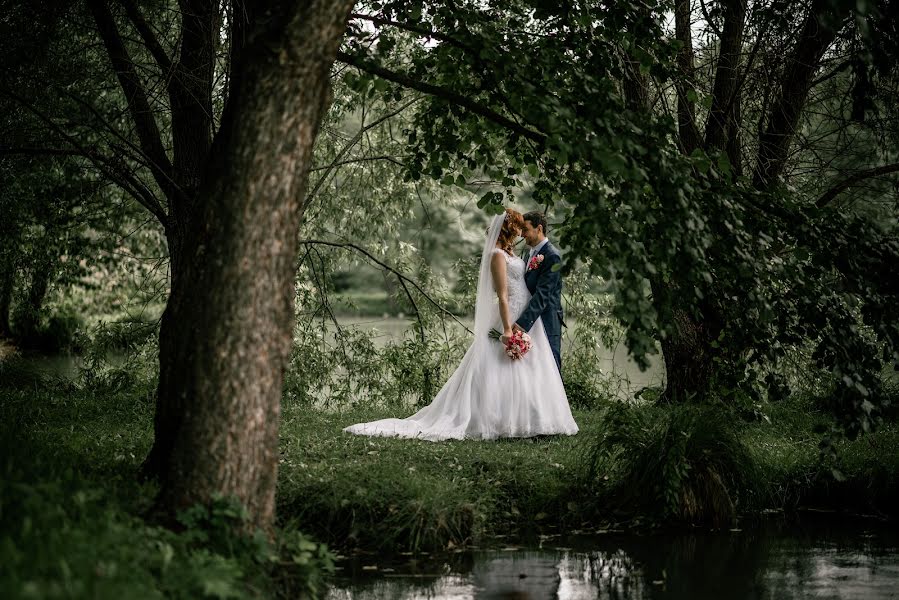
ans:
(536, 249)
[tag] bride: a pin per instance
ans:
(490, 395)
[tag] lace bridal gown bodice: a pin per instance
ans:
(489, 395)
(516, 289)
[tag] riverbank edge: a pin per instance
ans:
(382, 494)
(79, 450)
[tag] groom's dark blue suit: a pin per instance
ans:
(545, 285)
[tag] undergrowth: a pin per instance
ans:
(72, 512)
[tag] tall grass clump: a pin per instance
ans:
(684, 463)
(387, 508)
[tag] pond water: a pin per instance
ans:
(813, 558)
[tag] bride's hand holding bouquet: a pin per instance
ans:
(516, 342)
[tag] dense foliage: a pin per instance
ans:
(753, 266)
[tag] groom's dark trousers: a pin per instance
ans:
(545, 285)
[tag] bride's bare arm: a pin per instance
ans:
(498, 270)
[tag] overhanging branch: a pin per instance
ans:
(412, 28)
(136, 96)
(339, 158)
(442, 93)
(150, 40)
(387, 267)
(37, 151)
(112, 167)
(828, 196)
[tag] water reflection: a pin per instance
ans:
(779, 560)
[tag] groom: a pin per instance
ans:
(543, 282)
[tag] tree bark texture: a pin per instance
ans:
(686, 108)
(227, 329)
(686, 346)
(724, 91)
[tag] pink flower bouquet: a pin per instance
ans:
(518, 345)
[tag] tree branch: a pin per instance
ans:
(150, 40)
(786, 108)
(828, 196)
(38, 151)
(361, 159)
(708, 19)
(422, 31)
(388, 268)
(726, 75)
(136, 96)
(444, 94)
(109, 166)
(686, 109)
(190, 93)
(355, 140)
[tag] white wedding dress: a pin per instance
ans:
(490, 395)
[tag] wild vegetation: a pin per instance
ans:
(203, 204)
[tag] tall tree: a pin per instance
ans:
(221, 159)
(226, 331)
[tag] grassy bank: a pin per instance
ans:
(381, 493)
(73, 515)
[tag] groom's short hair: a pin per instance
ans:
(535, 217)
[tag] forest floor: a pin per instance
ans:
(71, 510)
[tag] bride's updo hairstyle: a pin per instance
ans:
(511, 229)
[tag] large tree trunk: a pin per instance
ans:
(686, 347)
(226, 332)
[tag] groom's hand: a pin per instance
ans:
(517, 327)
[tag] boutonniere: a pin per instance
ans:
(535, 262)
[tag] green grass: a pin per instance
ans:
(392, 494)
(72, 513)
(72, 510)
(409, 494)
(787, 450)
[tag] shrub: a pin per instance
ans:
(686, 463)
